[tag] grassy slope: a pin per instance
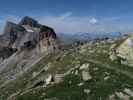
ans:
(120, 77)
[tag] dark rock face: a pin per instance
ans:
(28, 41)
(5, 52)
(25, 35)
(46, 32)
(11, 32)
(29, 21)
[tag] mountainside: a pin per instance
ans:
(23, 45)
(21, 48)
(35, 66)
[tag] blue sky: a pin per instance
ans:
(72, 15)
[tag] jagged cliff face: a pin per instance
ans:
(23, 45)
(10, 34)
(28, 34)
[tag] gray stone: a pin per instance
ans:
(86, 75)
(84, 66)
(58, 78)
(87, 91)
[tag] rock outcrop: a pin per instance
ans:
(23, 45)
(27, 34)
(125, 51)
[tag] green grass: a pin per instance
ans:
(69, 89)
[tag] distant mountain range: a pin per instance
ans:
(71, 37)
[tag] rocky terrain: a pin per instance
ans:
(36, 66)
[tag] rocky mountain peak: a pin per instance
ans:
(29, 21)
(28, 34)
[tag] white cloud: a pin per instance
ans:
(66, 15)
(93, 20)
(69, 23)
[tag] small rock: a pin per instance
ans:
(48, 79)
(58, 78)
(34, 74)
(45, 68)
(43, 94)
(107, 73)
(122, 96)
(112, 97)
(106, 78)
(124, 62)
(86, 76)
(95, 69)
(87, 91)
(84, 66)
(80, 84)
(129, 92)
(72, 72)
(76, 72)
